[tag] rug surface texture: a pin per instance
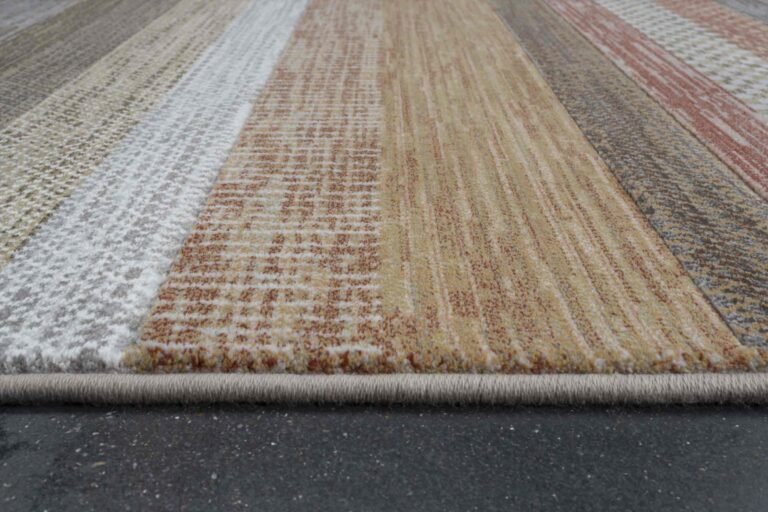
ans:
(493, 188)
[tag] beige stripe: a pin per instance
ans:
(492, 237)
(45, 153)
(507, 241)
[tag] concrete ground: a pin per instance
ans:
(383, 458)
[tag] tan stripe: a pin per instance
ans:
(487, 237)
(516, 248)
(48, 55)
(45, 153)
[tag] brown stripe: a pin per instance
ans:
(38, 60)
(708, 218)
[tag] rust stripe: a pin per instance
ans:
(409, 195)
(706, 215)
(741, 30)
(728, 127)
(279, 271)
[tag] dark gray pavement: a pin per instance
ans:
(380, 458)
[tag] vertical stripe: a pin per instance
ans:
(707, 216)
(78, 290)
(280, 267)
(723, 123)
(47, 152)
(744, 32)
(504, 243)
(507, 237)
(39, 60)
(738, 71)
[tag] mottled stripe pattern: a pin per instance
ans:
(20, 14)
(48, 151)
(37, 61)
(729, 127)
(705, 214)
(738, 71)
(506, 245)
(283, 258)
(742, 31)
(383, 186)
(73, 297)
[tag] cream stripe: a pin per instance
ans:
(46, 153)
(76, 293)
(738, 71)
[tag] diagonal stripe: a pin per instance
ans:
(724, 124)
(39, 60)
(707, 216)
(75, 295)
(738, 71)
(48, 151)
(20, 14)
(757, 9)
(744, 32)
(507, 240)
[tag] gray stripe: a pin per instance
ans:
(74, 297)
(757, 9)
(16, 15)
(711, 221)
(37, 61)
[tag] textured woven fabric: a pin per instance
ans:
(337, 186)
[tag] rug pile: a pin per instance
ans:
(464, 197)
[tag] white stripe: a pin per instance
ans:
(738, 71)
(78, 291)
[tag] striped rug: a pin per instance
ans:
(384, 200)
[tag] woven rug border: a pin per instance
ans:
(393, 388)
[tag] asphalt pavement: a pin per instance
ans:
(254, 457)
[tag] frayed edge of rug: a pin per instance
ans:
(388, 389)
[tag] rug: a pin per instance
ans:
(384, 200)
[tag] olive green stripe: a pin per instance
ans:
(709, 219)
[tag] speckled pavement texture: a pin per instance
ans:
(366, 458)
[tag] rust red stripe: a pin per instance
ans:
(725, 124)
(740, 30)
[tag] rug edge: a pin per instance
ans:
(562, 389)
